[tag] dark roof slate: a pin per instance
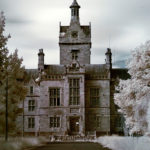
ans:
(96, 69)
(90, 69)
(55, 69)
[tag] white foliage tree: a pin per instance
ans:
(133, 95)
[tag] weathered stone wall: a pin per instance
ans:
(84, 111)
(103, 110)
(83, 54)
(46, 111)
(64, 111)
(80, 109)
(82, 43)
(96, 76)
(35, 96)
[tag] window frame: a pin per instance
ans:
(54, 122)
(31, 122)
(54, 100)
(74, 91)
(31, 105)
(95, 96)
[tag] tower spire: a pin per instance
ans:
(75, 11)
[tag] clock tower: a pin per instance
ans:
(75, 39)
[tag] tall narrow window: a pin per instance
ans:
(31, 105)
(98, 121)
(31, 89)
(74, 92)
(95, 96)
(54, 122)
(74, 55)
(54, 96)
(31, 122)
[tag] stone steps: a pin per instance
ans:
(71, 138)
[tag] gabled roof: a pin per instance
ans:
(32, 73)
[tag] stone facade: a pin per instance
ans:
(75, 97)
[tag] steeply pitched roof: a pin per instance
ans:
(32, 72)
(75, 4)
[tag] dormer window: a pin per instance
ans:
(74, 34)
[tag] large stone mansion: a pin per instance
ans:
(74, 97)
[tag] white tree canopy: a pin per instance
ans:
(133, 95)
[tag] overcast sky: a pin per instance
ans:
(34, 24)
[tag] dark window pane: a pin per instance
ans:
(31, 122)
(31, 89)
(54, 96)
(74, 92)
(54, 122)
(95, 96)
(31, 105)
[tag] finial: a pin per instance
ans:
(75, 4)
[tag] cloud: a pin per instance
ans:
(16, 20)
(120, 24)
